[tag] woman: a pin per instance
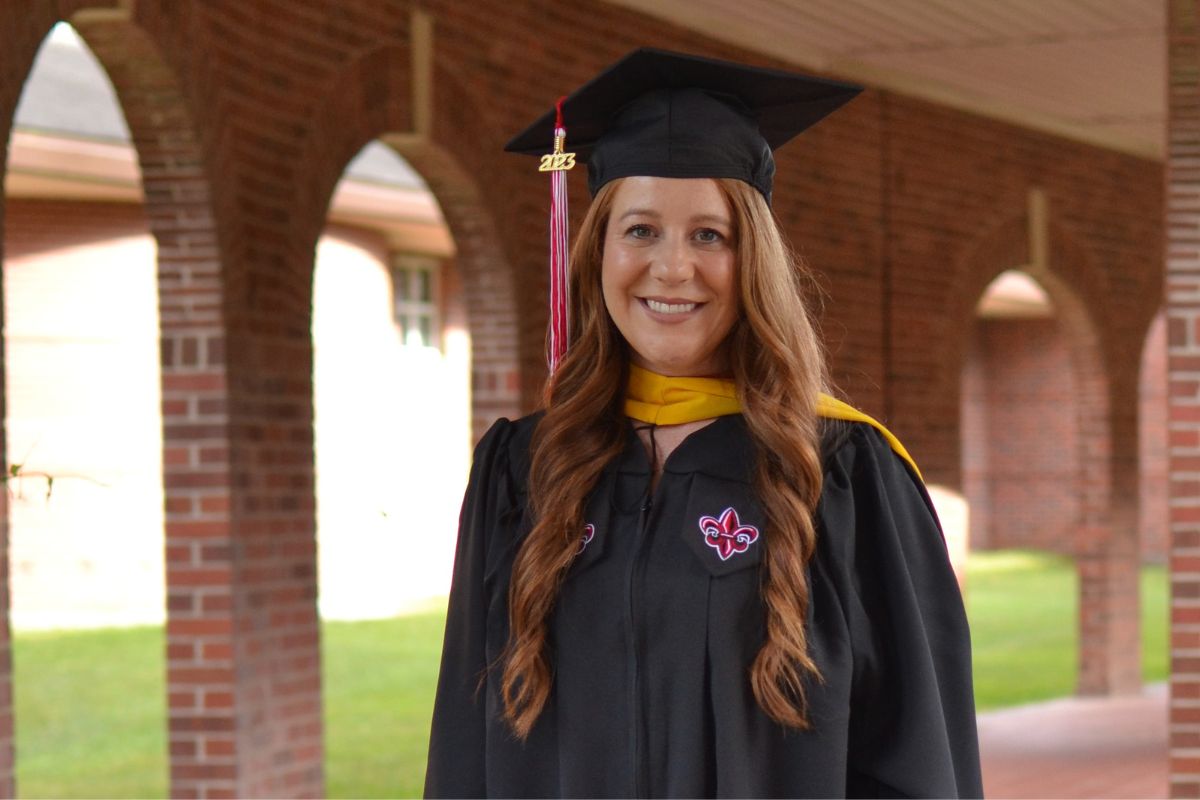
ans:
(694, 574)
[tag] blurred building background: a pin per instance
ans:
(391, 368)
(267, 276)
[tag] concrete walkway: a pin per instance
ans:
(1078, 747)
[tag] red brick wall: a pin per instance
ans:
(1019, 433)
(973, 413)
(958, 194)
(246, 113)
(1153, 525)
(1029, 435)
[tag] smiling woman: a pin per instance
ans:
(668, 273)
(696, 573)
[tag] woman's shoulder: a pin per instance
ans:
(505, 432)
(875, 512)
(505, 447)
(851, 439)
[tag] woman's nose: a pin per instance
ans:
(673, 263)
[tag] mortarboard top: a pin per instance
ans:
(673, 115)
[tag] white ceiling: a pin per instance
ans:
(1093, 70)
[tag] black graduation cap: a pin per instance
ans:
(674, 115)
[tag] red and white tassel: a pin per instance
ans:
(560, 288)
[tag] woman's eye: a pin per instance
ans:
(640, 232)
(709, 236)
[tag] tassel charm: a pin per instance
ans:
(557, 163)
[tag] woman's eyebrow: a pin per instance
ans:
(639, 212)
(646, 212)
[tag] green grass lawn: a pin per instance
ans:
(90, 711)
(1022, 606)
(90, 704)
(379, 682)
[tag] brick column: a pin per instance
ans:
(201, 675)
(1183, 375)
(1105, 541)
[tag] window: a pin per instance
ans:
(415, 289)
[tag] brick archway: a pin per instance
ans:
(200, 632)
(179, 215)
(1105, 541)
(1018, 422)
(370, 98)
(25, 29)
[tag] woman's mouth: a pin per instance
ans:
(665, 307)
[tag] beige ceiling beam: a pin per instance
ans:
(763, 28)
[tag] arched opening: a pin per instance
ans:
(392, 429)
(1021, 478)
(371, 100)
(84, 439)
(1019, 421)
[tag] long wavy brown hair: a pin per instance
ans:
(779, 369)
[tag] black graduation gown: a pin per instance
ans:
(660, 618)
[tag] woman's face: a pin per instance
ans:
(668, 273)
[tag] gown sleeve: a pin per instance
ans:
(912, 711)
(456, 766)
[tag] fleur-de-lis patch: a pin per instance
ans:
(589, 533)
(727, 535)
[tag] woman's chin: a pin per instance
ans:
(675, 365)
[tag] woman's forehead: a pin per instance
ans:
(686, 197)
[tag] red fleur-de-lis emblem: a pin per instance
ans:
(589, 533)
(727, 535)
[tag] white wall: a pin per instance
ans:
(392, 441)
(82, 384)
(81, 338)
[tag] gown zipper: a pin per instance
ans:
(636, 710)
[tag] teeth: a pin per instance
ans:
(670, 308)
